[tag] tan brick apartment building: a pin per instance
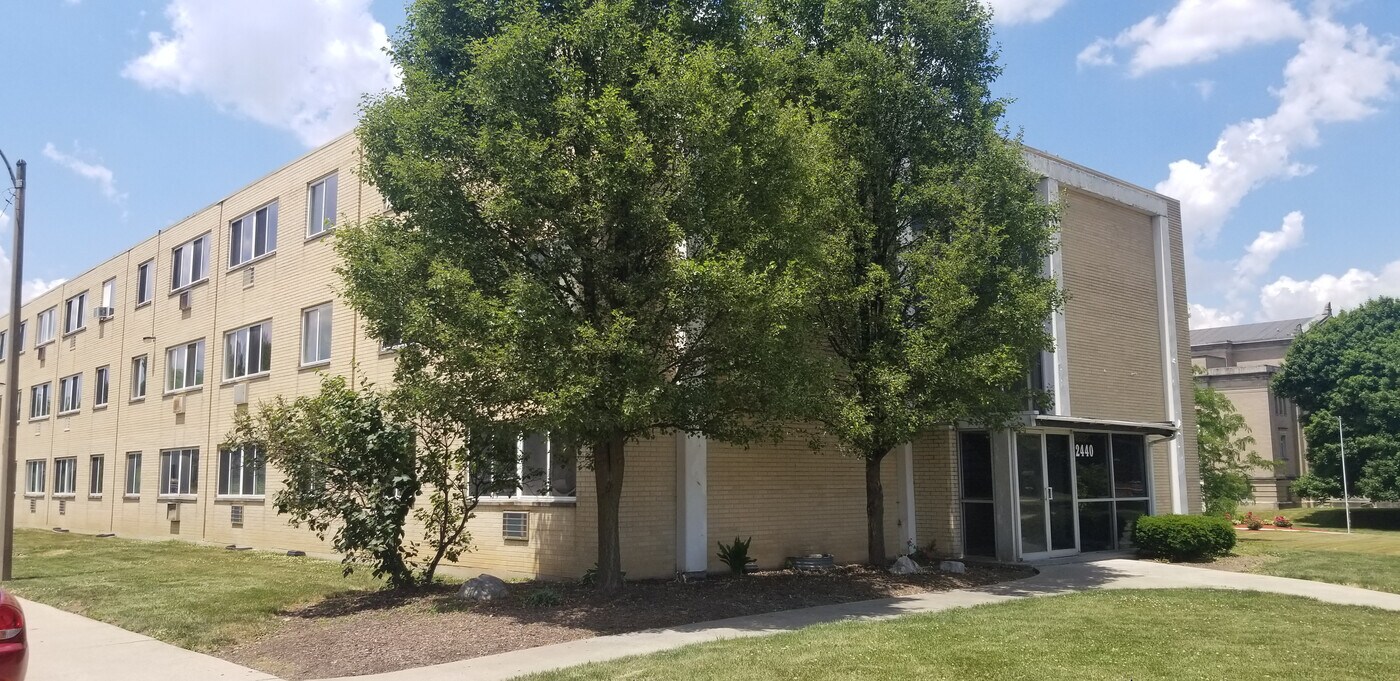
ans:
(131, 373)
(1240, 361)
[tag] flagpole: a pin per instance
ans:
(1346, 497)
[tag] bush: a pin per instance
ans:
(1280, 521)
(543, 598)
(1183, 537)
(736, 555)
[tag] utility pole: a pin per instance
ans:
(1346, 496)
(12, 392)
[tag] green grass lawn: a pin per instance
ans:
(1370, 560)
(1195, 634)
(197, 597)
(1362, 519)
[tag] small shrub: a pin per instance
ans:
(1183, 537)
(1280, 521)
(1253, 522)
(736, 555)
(590, 576)
(544, 597)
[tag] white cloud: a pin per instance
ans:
(1205, 87)
(31, 288)
(1338, 74)
(1023, 11)
(101, 175)
(1197, 31)
(1289, 298)
(302, 66)
(1259, 256)
(1203, 317)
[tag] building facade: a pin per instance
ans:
(1240, 361)
(132, 371)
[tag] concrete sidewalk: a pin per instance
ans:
(1052, 580)
(68, 647)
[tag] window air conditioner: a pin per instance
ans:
(104, 313)
(185, 300)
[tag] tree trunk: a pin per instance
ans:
(607, 474)
(874, 509)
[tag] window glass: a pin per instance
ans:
(179, 471)
(975, 451)
(321, 198)
(1129, 467)
(248, 351)
(1091, 466)
(138, 377)
(316, 334)
(100, 391)
(253, 235)
(95, 470)
(34, 475)
(65, 475)
(133, 473)
(241, 472)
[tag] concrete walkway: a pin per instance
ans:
(1052, 580)
(68, 647)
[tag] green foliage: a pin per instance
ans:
(736, 555)
(1309, 486)
(573, 183)
(1349, 367)
(356, 462)
(543, 597)
(930, 293)
(349, 471)
(1226, 452)
(1183, 537)
(590, 576)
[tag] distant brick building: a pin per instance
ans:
(1239, 361)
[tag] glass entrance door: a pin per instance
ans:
(1045, 495)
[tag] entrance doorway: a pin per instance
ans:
(1045, 490)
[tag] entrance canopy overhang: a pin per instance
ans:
(1078, 423)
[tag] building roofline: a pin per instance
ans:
(1097, 182)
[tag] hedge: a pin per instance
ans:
(1183, 537)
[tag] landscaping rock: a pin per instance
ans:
(903, 565)
(952, 566)
(483, 588)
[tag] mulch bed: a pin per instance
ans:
(391, 630)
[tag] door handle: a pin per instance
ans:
(1049, 493)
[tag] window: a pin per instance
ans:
(73, 310)
(179, 471)
(70, 393)
(99, 394)
(34, 476)
(109, 293)
(133, 473)
(979, 522)
(320, 216)
(184, 366)
(95, 466)
(145, 282)
(248, 351)
(241, 472)
(253, 235)
(4, 346)
(316, 334)
(189, 262)
(47, 326)
(534, 465)
(23, 334)
(1280, 405)
(65, 475)
(39, 400)
(138, 377)
(1282, 444)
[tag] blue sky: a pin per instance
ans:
(1274, 121)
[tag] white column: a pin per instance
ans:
(1057, 369)
(692, 503)
(1166, 315)
(1004, 507)
(904, 476)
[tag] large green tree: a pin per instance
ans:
(931, 295)
(1348, 367)
(598, 205)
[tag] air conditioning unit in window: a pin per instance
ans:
(240, 394)
(172, 512)
(40, 352)
(186, 300)
(178, 404)
(104, 313)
